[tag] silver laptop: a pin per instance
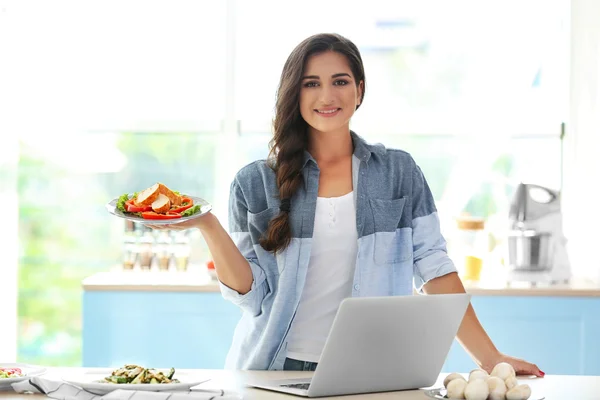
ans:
(379, 344)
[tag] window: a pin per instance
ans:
(185, 94)
(433, 68)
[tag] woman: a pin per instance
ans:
(328, 216)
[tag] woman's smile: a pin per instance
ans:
(328, 112)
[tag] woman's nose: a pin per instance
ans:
(326, 95)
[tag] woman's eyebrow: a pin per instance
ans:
(333, 76)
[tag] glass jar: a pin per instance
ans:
(162, 251)
(130, 249)
(181, 250)
(146, 244)
(470, 247)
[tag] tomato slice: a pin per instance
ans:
(131, 207)
(12, 371)
(153, 215)
(186, 203)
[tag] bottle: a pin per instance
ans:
(146, 244)
(181, 250)
(130, 253)
(162, 251)
(470, 247)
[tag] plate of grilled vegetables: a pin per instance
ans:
(158, 205)
(15, 372)
(134, 377)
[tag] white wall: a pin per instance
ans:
(582, 143)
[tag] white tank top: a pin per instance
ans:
(329, 277)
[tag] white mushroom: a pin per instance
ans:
(456, 388)
(477, 389)
(497, 388)
(511, 382)
(519, 392)
(478, 374)
(452, 377)
(503, 371)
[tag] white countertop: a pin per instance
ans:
(552, 387)
(151, 281)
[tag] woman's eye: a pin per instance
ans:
(311, 84)
(341, 82)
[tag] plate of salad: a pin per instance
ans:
(135, 377)
(158, 205)
(16, 372)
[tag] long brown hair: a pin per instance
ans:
(290, 133)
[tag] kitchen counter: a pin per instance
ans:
(202, 323)
(552, 387)
(159, 281)
(577, 287)
(151, 281)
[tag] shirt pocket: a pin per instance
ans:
(259, 222)
(257, 225)
(391, 244)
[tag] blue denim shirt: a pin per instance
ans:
(399, 242)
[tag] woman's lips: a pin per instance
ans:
(328, 112)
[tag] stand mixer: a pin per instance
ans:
(536, 244)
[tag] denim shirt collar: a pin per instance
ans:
(362, 150)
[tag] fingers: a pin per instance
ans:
(529, 369)
(173, 227)
(532, 369)
(537, 371)
(157, 227)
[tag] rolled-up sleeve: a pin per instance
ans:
(238, 230)
(429, 246)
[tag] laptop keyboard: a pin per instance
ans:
(303, 386)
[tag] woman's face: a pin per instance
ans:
(329, 94)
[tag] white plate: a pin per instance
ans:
(440, 393)
(204, 208)
(92, 382)
(27, 369)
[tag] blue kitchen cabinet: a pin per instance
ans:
(559, 334)
(158, 329)
(195, 329)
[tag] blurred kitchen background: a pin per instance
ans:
(103, 98)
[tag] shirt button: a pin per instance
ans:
(331, 225)
(356, 287)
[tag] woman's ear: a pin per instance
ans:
(360, 91)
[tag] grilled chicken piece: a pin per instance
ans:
(173, 197)
(162, 204)
(148, 196)
(134, 372)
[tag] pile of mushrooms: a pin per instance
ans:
(501, 384)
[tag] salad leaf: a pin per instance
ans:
(191, 211)
(121, 202)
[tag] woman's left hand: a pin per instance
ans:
(521, 367)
